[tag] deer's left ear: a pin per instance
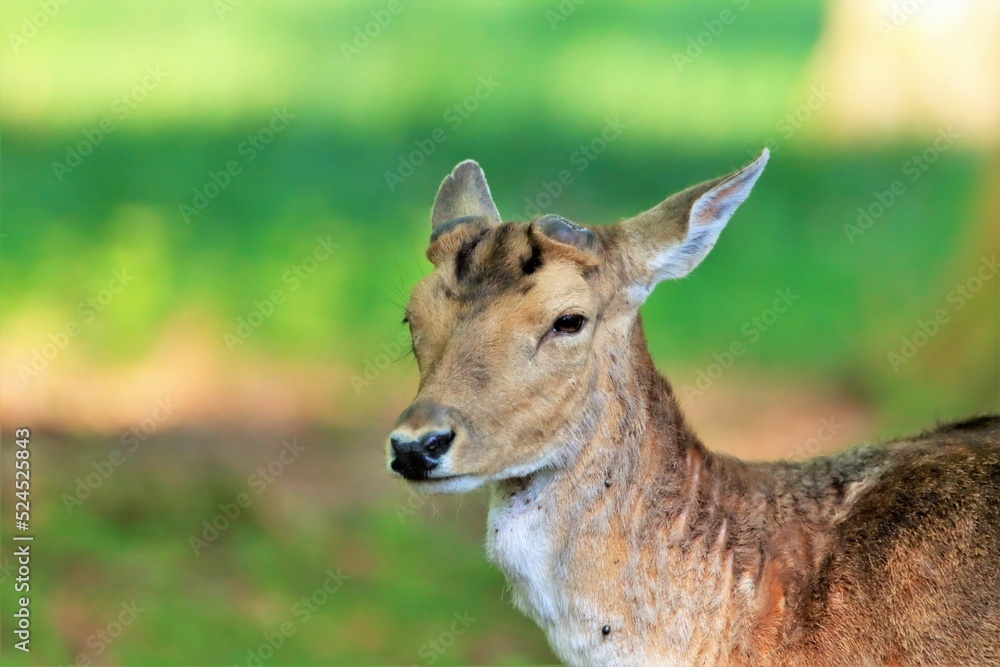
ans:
(672, 238)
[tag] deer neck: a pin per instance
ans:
(631, 432)
(636, 531)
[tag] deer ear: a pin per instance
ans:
(463, 194)
(672, 238)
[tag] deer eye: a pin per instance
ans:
(569, 324)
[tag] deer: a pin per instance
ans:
(619, 532)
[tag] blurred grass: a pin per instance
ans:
(856, 298)
(325, 176)
(407, 575)
(424, 60)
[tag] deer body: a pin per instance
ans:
(621, 535)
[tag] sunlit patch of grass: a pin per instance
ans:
(70, 75)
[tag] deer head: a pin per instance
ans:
(516, 324)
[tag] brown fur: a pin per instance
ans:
(607, 510)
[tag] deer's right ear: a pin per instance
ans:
(463, 196)
(672, 238)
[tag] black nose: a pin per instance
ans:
(413, 459)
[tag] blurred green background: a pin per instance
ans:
(212, 213)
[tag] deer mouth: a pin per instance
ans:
(447, 484)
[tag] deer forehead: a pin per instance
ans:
(508, 271)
